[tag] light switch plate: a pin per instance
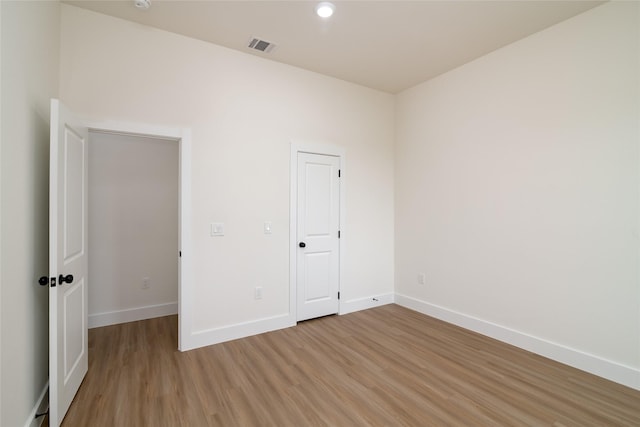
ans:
(268, 227)
(217, 229)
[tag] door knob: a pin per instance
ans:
(302, 244)
(43, 281)
(65, 279)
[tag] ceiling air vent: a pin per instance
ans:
(261, 45)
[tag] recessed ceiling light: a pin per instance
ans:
(325, 9)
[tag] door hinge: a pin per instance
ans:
(180, 254)
(338, 294)
(52, 281)
(339, 173)
(338, 234)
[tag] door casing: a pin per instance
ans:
(183, 137)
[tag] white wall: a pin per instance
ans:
(1, 139)
(516, 177)
(243, 111)
(517, 184)
(133, 228)
(30, 61)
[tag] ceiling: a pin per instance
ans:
(386, 45)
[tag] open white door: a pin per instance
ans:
(68, 332)
(318, 223)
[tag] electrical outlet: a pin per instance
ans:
(258, 294)
(421, 279)
(146, 283)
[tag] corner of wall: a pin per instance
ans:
(29, 72)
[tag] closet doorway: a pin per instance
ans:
(133, 214)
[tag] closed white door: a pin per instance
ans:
(68, 329)
(318, 223)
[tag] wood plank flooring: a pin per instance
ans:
(387, 366)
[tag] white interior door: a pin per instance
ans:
(318, 221)
(68, 347)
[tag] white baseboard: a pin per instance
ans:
(239, 330)
(365, 303)
(245, 329)
(604, 368)
(132, 314)
(40, 407)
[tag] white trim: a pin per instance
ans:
(613, 371)
(132, 314)
(239, 330)
(372, 301)
(53, 255)
(293, 225)
(2, 200)
(137, 129)
(185, 284)
(183, 137)
(312, 148)
(42, 404)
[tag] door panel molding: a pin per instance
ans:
(321, 149)
(73, 354)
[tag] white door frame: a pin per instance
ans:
(183, 137)
(323, 149)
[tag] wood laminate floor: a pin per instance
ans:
(387, 366)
